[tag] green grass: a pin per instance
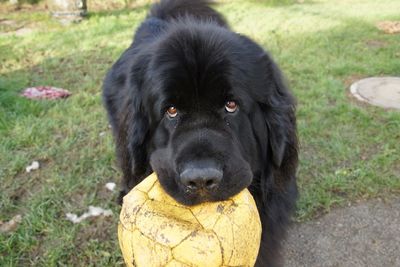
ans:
(349, 152)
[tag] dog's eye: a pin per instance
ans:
(231, 106)
(172, 112)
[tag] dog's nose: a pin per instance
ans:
(201, 178)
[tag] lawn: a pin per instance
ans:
(349, 152)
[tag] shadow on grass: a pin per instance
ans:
(83, 72)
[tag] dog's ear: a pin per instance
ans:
(274, 125)
(278, 109)
(137, 135)
(132, 138)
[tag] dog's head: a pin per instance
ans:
(213, 113)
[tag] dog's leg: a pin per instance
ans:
(275, 215)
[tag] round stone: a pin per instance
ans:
(378, 91)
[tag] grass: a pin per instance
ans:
(349, 152)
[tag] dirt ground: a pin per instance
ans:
(366, 234)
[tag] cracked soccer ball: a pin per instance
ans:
(155, 230)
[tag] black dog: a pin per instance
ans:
(208, 111)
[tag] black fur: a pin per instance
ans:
(184, 55)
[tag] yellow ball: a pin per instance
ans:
(155, 230)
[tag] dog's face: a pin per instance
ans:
(203, 143)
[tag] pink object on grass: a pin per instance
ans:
(45, 92)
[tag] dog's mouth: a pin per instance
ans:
(206, 179)
(189, 197)
(201, 196)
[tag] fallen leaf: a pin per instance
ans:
(11, 225)
(391, 27)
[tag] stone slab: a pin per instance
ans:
(378, 91)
